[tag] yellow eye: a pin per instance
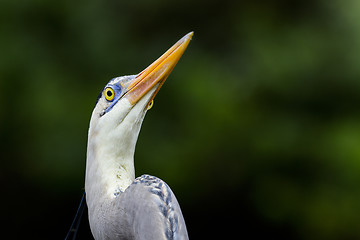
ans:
(109, 94)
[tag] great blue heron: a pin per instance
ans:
(120, 206)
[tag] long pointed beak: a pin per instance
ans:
(157, 72)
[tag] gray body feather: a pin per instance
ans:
(146, 210)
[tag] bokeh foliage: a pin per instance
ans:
(257, 130)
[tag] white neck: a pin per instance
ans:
(108, 171)
(111, 146)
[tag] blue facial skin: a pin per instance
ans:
(118, 94)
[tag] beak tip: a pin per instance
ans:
(158, 71)
(185, 40)
(189, 35)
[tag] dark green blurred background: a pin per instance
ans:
(257, 130)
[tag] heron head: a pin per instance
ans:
(122, 104)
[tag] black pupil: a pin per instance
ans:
(109, 93)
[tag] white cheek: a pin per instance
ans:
(123, 120)
(115, 116)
